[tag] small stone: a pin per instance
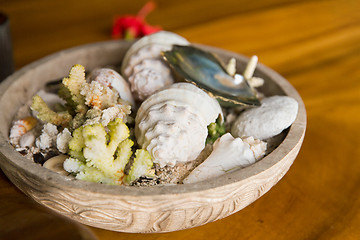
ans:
(56, 164)
(275, 114)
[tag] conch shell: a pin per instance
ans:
(172, 123)
(229, 154)
(143, 65)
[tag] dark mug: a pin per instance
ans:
(6, 57)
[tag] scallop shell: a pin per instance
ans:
(172, 123)
(143, 65)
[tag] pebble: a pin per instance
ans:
(56, 164)
(275, 114)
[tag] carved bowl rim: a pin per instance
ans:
(290, 144)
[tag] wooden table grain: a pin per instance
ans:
(314, 44)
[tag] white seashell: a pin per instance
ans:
(185, 94)
(147, 81)
(151, 52)
(159, 41)
(275, 114)
(171, 125)
(143, 65)
(228, 154)
(185, 136)
(112, 79)
(20, 127)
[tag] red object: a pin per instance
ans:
(130, 27)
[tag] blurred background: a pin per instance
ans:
(314, 44)
(41, 27)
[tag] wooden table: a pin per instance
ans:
(314, 44)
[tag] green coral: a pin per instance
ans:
(87, 173)
(142, 166)
(102, 156)
(74, 114)
(215, 130)
(97, 153)
(48, 115)
(77, 144)
(71, 89)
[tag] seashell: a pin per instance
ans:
(143, 65)
(112, 79)
(172, 123)
(20, 127)
(228, 154)
(275, 114)
(207, 72)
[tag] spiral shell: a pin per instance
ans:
(144, 67)
(172, 123)
(21, 127)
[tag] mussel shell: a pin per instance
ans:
(206, 71)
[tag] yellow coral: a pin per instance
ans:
(48, 115)
(74, 84)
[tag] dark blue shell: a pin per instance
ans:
(205, 70)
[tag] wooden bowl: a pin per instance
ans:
(138, 209)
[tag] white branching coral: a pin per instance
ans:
(47, 139)
(98, 95)
(62, 140)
